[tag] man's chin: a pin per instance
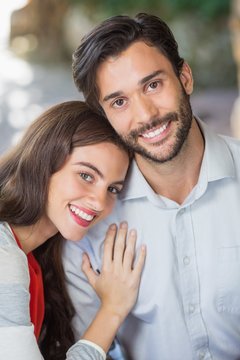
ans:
(161, 155)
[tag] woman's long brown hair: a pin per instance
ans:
(24, 177)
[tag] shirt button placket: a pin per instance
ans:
(191, 308)
(189, 278)
(201, 355)
(186, 260)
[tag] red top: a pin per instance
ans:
(36, 292)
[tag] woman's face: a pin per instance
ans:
(84, 190)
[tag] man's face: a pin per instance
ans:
(146, 103)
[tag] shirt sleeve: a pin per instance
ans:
(18, 342)
(17, 339)
(86, 350)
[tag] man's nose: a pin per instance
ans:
(143, 110)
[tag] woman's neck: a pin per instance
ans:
(32, 236)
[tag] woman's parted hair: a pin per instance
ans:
(113, 36)
(25, 171)
(24, 176)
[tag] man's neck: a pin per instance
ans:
(175, 179)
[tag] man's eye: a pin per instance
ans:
(153, 85)
(119, 103)
(86, 177)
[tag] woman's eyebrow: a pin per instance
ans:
(91, 166)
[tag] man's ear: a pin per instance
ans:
(186, 78)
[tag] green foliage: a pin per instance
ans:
(207, 9)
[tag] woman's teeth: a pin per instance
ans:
(81, 213)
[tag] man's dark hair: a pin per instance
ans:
(113, 36)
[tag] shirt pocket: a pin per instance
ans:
(228, 280)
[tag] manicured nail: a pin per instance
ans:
(123, 225)
(143, 248)
(133, 232)
(113, 227)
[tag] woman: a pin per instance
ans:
(60, 180)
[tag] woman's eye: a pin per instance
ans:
(86, 177)
(118, 103)
(114, 190)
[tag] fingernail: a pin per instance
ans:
(112, 227)
(143, 247)
(123, 225)
(133, 232)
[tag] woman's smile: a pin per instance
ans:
(87, 186)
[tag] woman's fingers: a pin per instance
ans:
(117, 285)
(119, 246)
(109, 245)
(119, 251)
(129, 253)
(138, 266)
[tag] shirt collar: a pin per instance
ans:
(217, 157)
(217, 164)
(135, 185)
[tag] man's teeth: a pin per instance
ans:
(154, 133)
(81, 213)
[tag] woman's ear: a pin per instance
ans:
(186, 78)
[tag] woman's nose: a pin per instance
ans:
(97, 200)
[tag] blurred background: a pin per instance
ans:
(37, 38)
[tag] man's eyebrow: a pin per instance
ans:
(112, 96)
(141, 82)
(150, 76)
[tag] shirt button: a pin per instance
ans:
(182, 211)
(186, 260)
(201, 355)
(191, 308)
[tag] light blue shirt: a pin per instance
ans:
(189, 300)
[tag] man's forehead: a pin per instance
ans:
(138, 57)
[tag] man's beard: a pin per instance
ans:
(183, 117)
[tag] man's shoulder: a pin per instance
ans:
(233, 145)
(221, 149)
(231, 141)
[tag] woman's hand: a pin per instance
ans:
(117, 285)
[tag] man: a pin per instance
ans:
(182, 195)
